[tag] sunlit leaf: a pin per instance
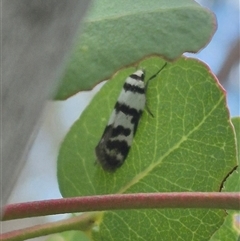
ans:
(230, 230)
(188, 145)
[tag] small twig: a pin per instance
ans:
(231, 59)
(82, 222)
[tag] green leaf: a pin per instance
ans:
(230, 230)
(188, 145)
(236, 123)
(68, 236)
(118, 34)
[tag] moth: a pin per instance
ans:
(118, 135)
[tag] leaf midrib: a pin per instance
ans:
(184, 138)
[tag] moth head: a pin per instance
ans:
(138, 75)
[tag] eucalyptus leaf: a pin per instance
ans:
(230, 230)
(189, 145)
(68, 236)
(118, 33)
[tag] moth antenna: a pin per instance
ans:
(153, 76)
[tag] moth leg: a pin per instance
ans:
(148, 110)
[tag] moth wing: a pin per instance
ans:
(105, 136)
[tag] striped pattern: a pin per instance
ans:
(117, 137)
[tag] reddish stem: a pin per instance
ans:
(123, 201)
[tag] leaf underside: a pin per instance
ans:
(188, 145)
(128, 32)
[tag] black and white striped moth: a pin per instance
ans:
(117, 137)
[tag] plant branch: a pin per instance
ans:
(231, 59)
(82, 222)
(208, 200)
